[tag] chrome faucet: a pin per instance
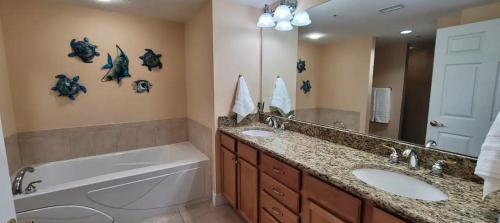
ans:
(394, 157)
(411, 154)
(17, 184)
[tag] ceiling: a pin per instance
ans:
(173, 10)
(362, 17)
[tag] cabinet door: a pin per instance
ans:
(247, 193)
(228, 166)
(317, 214)
(374, 215)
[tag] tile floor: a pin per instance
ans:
(199, 213)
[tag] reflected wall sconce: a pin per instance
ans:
(284, 17)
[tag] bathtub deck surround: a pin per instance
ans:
(333, 163)
(126, 187)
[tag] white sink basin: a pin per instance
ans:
(257, 132)
(400, 184)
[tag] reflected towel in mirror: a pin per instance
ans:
(488, 163)
(280, 99)
(243, 104)
(381, 105)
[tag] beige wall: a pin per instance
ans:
(311, 53)
(199, 67)
(346, 77)
(37, 46)
(471, 15)
(279, 57)
(389, 71)
(6, 106)
(237, 43)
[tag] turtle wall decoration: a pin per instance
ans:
(68, 87)
(301, 66)
(141, 86)
(306, 86)
(118, 69)
(151, 60)
(83, 49)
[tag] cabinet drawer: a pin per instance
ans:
(280, 192)
(277, 210)
(265, 217)
(340, 203)
(228, 142)
(247, 153)
(280, 171)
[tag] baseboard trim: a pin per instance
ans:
(218, 199)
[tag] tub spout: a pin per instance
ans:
(17, 184)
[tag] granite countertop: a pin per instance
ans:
(334, 163)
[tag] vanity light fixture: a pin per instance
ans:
(406, 32)
(283, 17)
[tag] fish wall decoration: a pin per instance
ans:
(301, 66)
(118, 69)
(141, 86)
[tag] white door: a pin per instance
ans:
(7, 211)
(465, 94)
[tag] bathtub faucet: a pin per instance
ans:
(17, 184)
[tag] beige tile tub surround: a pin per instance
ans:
(13, 153)
(62, 144)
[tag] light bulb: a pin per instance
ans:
(266, 21)
(284, 26)
(282, 13)
(301, 19)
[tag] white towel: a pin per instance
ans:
(488, 163)
(381, 105)
(280, 99)
(243, 104)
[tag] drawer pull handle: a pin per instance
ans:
(277, 171)
(276, 211)
(277, 192)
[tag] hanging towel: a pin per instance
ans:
(280, 99)
(488, 163)
(381, 105)
(243, 104)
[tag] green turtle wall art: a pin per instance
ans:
(118, 69)
(83, 49)
(306, 86)
(68, 87)
(301, 66)
(141, 86)
(151, 60)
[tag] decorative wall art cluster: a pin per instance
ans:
(306, 86)
(117, 69)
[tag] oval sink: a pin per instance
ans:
(400, 184)
(258, 132)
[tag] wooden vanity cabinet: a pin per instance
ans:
(323, 203)
(248, 186)
(229, 169)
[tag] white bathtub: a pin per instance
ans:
(121, 187)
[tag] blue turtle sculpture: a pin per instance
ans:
(151, 60)
(301, 66)
(118, 69)
(306, 86)
(68, 87)
(141, 86)
(83, 49)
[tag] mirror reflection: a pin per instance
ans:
(425, 72)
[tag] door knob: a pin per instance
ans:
(435, 123)
(430, 144)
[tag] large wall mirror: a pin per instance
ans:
(424, 72)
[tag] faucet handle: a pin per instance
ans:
(394, 157)
(31, 188)
(437, 168)
(283, 125)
